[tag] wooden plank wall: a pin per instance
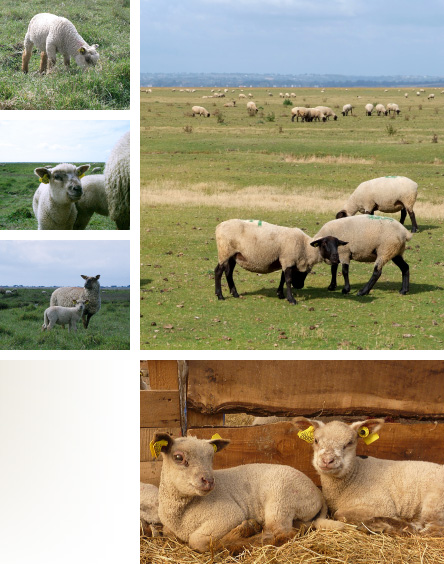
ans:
(340, 388)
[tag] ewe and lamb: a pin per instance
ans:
(90, 294)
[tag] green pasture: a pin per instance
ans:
(105, 87)
(21, 319)
(197, 172)
(18, 184)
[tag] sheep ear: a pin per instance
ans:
(316, 243)
(373, 425)
(82, 50)
(43, 174)
(342, 243)
(75, 301)
(82, 169)
(218, 442)
(84, 277)
(162, 442)
(98, 276)
(302, 423)
(341, 214)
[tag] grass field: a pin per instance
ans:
(21, 319)
(105, 87)
(18, 184)
(197, 172)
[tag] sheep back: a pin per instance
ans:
(117, 182)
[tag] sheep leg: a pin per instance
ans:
(373, 279)
(43, 62)
(287, 273)
(298, 278)
(229, 268)
(218, 271)
(334, 271)
(280, 290)
(404, 267)
(51, 57)
(346, 288)
(66, 60)
(413, 220)
(403, 216)
(25, 57)
(86, 319)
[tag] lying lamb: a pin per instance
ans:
(261, 247)
(149, 510)
(53, 34)
(207, 508)
(58, 315)
(382, 494)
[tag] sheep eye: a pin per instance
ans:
(178, 458)
(316, 441)
(57, 176)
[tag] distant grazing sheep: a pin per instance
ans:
(393, 108)
(348, 108)
(117, 182)
(58, 315)
(430, 96)
(200, 111)
(90, 293)
(380, 109)
(252, 109)
(368, 109)
(54, 200)
(93, 200)
(328, 112)
(53, 34)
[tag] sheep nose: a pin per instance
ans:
(327, 460)
(207, 483)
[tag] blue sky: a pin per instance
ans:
(60, 263)
(348, 37)
(48, 141)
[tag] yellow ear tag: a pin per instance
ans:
(155, 447)
(81, 175)
(307, 435)
(367, 437)
(44, 179)
(213, 438)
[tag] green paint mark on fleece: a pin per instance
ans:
(380, 217)
(259, 221)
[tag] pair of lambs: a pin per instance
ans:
(261, 247)
(53, 34)
(64, 201)
(66, 297)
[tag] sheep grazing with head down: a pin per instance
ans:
(117, 182)
(200, 111)
(219, 508)
(66, 297)
(53, 34)
(383, 495)
(252, 109)
(262, 247)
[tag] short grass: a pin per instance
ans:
(196, 172)
(21, 319)
(105, 87)
(18, 184)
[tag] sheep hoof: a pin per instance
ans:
(235, 294)
(220, 297)
(280, 295)
(347, 291)
(403, 292)
(362, 292)
(333, 287)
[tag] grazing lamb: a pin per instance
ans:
(54, 200)
(370, 239)
(383, 495)
(117, 182)
(328, 112)
(93, 200)
(90, 293)
(58, 315)
(387, 194)
(393, 108)
(380, 109)
(252, 109)
(368, 109)
(53, 34)
(348, 108)
(200, 111)
(149, 510)
(261, 247)
(207, 508)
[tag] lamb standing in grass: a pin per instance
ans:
(382, 494)
(387, 194)
(89, 293)
(208, 508)
(54, 200)
(261, 247)
(117, 182)
(53, 34)
(58, 315)
(93, 200)
(370, 239)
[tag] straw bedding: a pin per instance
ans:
(315, 547)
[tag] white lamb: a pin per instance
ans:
(200, 111)
(149, 510)
(220, 508)
(59, 315)
(93, 200)
(54, 200)
(383, 495)
(53, 34)
(117, 182)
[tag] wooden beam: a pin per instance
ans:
(163, 374)
(412, 389)
(146, 436)
(159, 408)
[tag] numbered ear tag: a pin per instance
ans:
(366, 436)
(44, 179)
(213, 438)
(156, 447)
(307, 435)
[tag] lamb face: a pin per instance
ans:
(334, 448)
(87, 56)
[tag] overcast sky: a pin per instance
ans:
(348, 37)
(47, 141)
(60, 263)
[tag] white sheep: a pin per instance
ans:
(53, 34)
(149, 510)
(298, 112)
(242, 96)
(430, 96)
(117, 182)
(383, 495)
(230, 104)
(207, 508)
(67, 296)
(93, 200)
(370, 239)
(200, 111)
(387, 194)
(59, 315)
(261, 247)
(252, 109)
(315, 114)
(328, 112)
(348, 108)
(368, 109)
(380, 109)
(54, 199)
(393, 108)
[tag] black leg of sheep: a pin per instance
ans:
(413, 220)
(374, 278)
(404, 267)
(333, 283)
(346, 288)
